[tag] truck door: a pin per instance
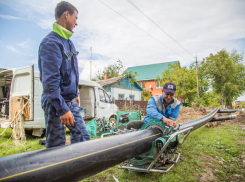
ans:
(105, 107)
(87, 101)
(22, 92)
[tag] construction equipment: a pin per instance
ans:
(102, 126)
(99, 126)
(123, 117)
(154, 148)
(237, 104)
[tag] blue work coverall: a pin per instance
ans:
(156, 109)
(59, 75)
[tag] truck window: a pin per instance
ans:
(107, 98)
(102, 95)
(20, 84)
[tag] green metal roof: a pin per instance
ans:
(150, 71)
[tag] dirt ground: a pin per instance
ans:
(190, 113)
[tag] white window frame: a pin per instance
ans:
(121, 98)
(158, 85)
(130, 97)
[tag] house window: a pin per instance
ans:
(131, 97)
(142, 84)
(120, 96)
(158, 84)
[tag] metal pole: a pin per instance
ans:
(197, 78)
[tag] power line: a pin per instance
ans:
(159, 27)
(141, 29)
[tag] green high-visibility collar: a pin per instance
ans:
(63, 32)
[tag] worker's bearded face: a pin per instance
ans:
(168, 96)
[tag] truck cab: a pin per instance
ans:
(22, 85)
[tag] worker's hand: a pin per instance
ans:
(67, 119)
(77, 100)
(169, 122)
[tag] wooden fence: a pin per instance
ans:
(132, 105)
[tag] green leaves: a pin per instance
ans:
(184, 78)
(226, 75)
(131, 76)
(145, 95)
(112, 70)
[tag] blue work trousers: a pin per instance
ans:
(55, 130)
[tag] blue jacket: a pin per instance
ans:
(59, 74)
(156, 109)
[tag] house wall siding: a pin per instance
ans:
(150, 85)
(127, 92)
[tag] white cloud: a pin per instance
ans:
(10, 17)
(241, 98)
(201, 27)
(26, 44)
(46, 23)
(32, 61)
(13, 49)
(18, 51)
(96, 66)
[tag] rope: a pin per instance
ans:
(11, 122)
(18, 132)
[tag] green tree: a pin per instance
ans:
(145, 95)
(112, 70)
(184, 78)
(115, 70)
(226, 74)
(131, 76)
(207, 99)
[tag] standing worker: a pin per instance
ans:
(164, 107)
(59, 74)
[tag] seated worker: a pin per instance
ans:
(163, 107)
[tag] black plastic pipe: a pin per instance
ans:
(196, 123)
(222, 118)
(225, 110)
(77, 161)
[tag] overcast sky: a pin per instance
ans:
(115, 29)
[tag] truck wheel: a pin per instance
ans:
(44, 133)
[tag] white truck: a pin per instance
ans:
(21, 85)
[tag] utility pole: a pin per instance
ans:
(197, 78)
(91, 65)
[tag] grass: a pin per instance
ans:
(7, 146)
(208, 154)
